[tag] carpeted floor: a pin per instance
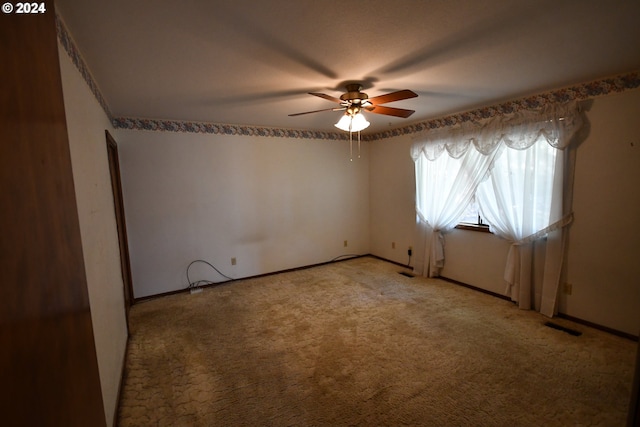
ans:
(354, 343)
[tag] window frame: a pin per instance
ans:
(484, 228)
(479, 225)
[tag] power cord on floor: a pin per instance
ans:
(194, 286)
(200, 283)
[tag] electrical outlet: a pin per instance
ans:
(345, 243)
(393, 245)
(410, 251)
(568, 288)
(233, 261)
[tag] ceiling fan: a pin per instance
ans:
(354, 101)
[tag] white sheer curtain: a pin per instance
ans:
(522, 201)
(447, 185)
(518, 170)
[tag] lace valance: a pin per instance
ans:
(555, 124)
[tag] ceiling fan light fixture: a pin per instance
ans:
(352, 123)
(344, 123)
(359, 123)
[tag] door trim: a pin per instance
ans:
(118, 203)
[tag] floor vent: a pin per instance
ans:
(404, 273)
(563, 329)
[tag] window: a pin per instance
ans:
(512, 166)
(472, 220)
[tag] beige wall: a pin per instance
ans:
(86, 123)
(604, 242)
(271, 203)
(392, 195)
(603, 249)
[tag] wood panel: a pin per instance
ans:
(48, 366)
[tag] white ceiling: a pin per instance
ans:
(251, 62)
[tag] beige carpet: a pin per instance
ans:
(354, 343)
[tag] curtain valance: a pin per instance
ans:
(555, 124)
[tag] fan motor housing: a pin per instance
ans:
(353, 94)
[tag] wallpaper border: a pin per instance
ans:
(222, 129)
(576, 92)
(74, 54)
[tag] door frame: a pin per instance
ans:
(118, 204)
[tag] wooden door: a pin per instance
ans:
(48, 364)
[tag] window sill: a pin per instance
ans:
(474, 227)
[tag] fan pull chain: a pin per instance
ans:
(351, 143)
(358, 144)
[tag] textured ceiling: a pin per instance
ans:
(251, 62)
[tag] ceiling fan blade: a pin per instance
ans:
(325, 96)
(316, 111)
(393, 96)
(390, 111)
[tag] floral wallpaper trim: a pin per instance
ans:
(69, 46)
(222, 129)
(576, 92)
